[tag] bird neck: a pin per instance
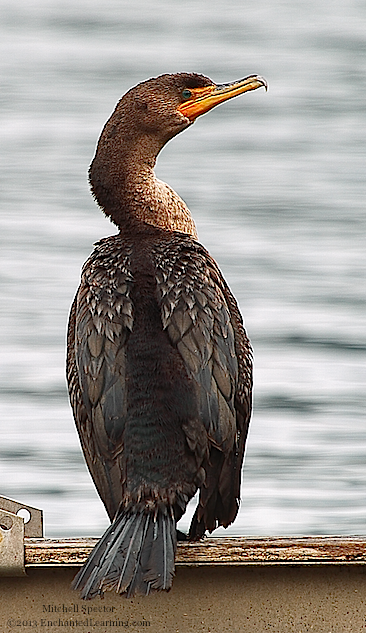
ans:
(153, 202)
(129, 192)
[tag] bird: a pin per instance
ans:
(159, 365)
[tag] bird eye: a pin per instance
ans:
(186, 94)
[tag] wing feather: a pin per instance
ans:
(203, 322)
(100, 321)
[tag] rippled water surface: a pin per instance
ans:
(276, 183)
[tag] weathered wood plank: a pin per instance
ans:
(218, 551)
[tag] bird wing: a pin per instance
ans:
(203, 321)
(99, 324)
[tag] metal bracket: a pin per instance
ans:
(17, 520)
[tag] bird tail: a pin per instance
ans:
(135, 555)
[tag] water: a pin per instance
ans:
(276, 184)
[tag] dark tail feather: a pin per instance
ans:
(135, 555)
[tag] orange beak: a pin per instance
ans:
(204, 99)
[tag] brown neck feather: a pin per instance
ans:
(124, 184)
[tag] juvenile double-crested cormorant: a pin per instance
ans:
(159, 364)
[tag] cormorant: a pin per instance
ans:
(159, 365)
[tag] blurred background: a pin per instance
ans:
(276, 184)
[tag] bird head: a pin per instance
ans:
(163, 106)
